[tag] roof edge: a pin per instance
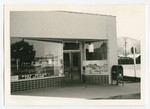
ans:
(84, 13)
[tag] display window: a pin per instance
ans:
(35, 59)
(95, 62)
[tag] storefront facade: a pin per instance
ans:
(69, 47)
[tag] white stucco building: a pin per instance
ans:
(83, 45)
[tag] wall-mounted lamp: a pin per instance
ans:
(77, 41)
(91, 47)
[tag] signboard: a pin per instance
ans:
(91, 47)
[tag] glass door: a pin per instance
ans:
(67, 67)
(75, 67)
(72, 67)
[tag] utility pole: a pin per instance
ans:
(125, 44)
(134, 61)
(133, 51)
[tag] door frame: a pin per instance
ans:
(70, 60)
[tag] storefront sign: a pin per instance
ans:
(91, 47)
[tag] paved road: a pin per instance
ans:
(84, 91)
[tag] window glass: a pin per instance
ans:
(35, 59)
(99, 51)
(71, 46)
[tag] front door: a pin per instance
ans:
(72, 67)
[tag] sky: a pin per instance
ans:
(130, 18)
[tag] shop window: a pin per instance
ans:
(96, 50)
(96, 58)
(35, 59)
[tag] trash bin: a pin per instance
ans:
(117, 74)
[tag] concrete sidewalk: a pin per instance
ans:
(87, 91)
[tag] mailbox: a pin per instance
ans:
(117, 74)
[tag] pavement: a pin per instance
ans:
(86, 91)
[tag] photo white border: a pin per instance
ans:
(27, 100)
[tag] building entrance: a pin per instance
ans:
(72, 67)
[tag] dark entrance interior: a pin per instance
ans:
(72, 67)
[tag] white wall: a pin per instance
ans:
(112, 44)
(56, 24)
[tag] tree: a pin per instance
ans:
(24, 51)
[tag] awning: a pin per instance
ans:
(60, 40)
